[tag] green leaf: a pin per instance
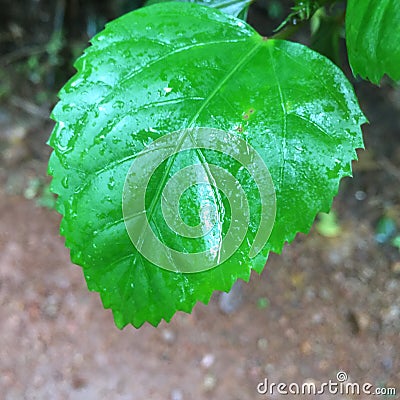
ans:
(396, 242)
(237, 8)
(175, 67)
(385, 229)
(328, 225)
(373, 37)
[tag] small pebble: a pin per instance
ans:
(230, 302)
(168, 336)
(15, 155)
(207, 361)
(38, 380)
(359, 321)
(176, 394)
(363, 321)
(51, 306)
(209, 383)
(392, 315)
(262, 344)
(396, 267)
(317, 318)
(323, 365)
(392, 285)
(78, 382)
(360, 195)
(325, 294)
(309, 293)
(367, 273)
(306, 348)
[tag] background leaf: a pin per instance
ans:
(172, 66)
(373, 37)
(237, 8)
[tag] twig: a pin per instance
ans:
(288, 31)
(35, 50)
(29, 107)
(389, 167)
(22, 52)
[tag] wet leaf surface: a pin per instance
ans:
(372, 38)
(169, 67)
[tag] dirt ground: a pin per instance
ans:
(325, 305)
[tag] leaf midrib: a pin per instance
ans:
(186, 131)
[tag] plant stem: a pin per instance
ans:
(288, 31)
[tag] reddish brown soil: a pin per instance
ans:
(332, 305)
